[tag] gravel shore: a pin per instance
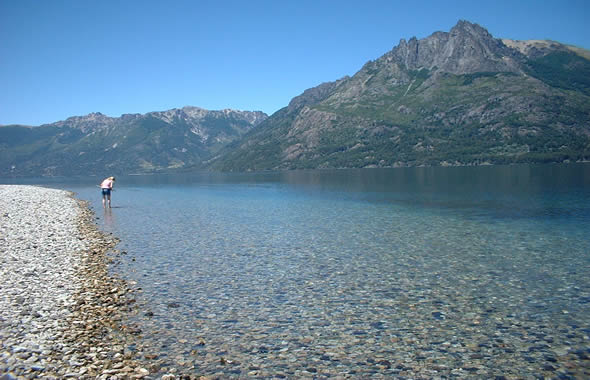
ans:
(61, 312)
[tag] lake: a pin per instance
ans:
(380, 273)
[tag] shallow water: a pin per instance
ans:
(362, 273)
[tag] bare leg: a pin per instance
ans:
(109, 198)
(103, 201)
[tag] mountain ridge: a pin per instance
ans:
(132, 143)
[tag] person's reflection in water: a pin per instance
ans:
(109, 219)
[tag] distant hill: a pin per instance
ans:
(134, 143)
(460, 97)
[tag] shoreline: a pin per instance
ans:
(61, 312)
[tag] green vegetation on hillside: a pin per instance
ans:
(562, 69)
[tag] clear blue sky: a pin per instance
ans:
(66, 58)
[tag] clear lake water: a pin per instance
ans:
(373, 273)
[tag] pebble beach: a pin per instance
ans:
(61, 312)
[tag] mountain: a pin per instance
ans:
(132, 143)
(460, 97)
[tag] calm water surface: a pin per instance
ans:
(428, 272)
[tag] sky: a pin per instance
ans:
(61, 58)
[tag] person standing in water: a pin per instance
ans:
(106, 187)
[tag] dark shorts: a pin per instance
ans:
(106, 191)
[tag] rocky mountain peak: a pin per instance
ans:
(88, 122)
(464, 26)
(195, 112)
(193, 115)
(466, 48)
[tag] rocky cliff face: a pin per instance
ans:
(453, 98)
(132, 143)
(467, 48)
